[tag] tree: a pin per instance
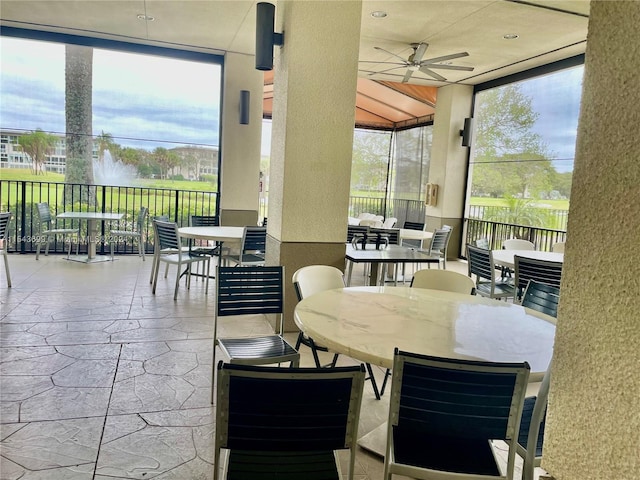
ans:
(78, 112)
(370, 161)
(105, 142)
(510, 159)
(165, 159)
(37, 145)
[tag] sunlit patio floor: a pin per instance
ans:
(100, 379)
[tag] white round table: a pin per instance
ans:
(218, 234)
(367, 323)
(506, 257)
(409, 234)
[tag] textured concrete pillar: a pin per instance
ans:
(448, 166)
(593, 429)
(315, 76)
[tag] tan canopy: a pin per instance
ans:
(379, 104)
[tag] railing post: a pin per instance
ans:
(175, 207)
(23, 217)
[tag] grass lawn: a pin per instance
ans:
(19, 174)
(502, 202)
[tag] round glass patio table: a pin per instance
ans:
(367, 323)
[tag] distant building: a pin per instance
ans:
(196, 161)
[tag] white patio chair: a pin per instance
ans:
(47, 232)
(117, 235)
(168, 240)
(5, 218)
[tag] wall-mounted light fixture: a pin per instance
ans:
(466, 132)
(266, 37)
(245, 101)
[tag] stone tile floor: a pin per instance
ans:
(100, 379)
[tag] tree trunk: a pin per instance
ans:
(78, 113)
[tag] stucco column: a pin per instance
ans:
(240, 144)
(315, 76)
(449, 159)
(593, 423)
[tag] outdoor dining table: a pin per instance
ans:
(409, 234)
(92, 219)
(505, 257)
(389, 254)
(217, 234)
(368, 323)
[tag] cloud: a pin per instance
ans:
(140, 100)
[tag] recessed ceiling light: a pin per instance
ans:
(378, 14)
(510, 36)
(142, 16)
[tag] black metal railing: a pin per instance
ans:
(550, 217)
(21, 198)
(496, 233)
(403, 210)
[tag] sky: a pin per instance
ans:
(149, 101)
(158, 101)
(556, 97)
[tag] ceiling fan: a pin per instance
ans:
(415, 62)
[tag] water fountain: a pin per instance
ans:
(110, 171)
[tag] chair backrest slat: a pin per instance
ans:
(5, 218)
(356, 230)
(204, 221)
(244, 290)
(541, 297)
(255, 239)
(294, 410)
(167, 235)
(539, 270)
(414, 225)
(393, 234)
(457, 398)
(45, 214)
(479, 262)
(439, 241)
(142, 218)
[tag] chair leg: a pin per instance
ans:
(175, 292)
(374, 385)
(6, 266)
(314, 352)
(141, 247)
(155, 264)
(206, 283)
(349, 274)
(111, 249)
(387, 374)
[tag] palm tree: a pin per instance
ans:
(37, 145)
(105, 142)
(78, 110)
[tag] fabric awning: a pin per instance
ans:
(379, 105)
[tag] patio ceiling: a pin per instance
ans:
(501, 37)
(379, 104)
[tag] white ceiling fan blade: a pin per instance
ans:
(450, 67)
(444, 58)
(387, 70)
(420, 51)
(404, 62)
(407, 76)
(382, 63)
(433, 74)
